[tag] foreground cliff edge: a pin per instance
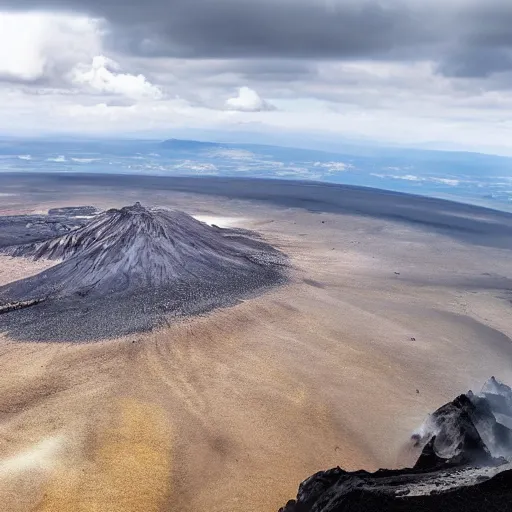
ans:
(464, 465)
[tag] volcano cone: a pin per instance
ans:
(128, 270)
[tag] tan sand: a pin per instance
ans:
(230, 411)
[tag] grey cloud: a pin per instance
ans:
(467, 38)
(210, 82)
(481, 44)
(172, 70)
(273, 69)
(234, 28)
(53, 76)
(474, 62)
(249, 28)
(262, 38)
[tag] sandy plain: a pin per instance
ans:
(382, 322)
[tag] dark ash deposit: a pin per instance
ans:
(132, 269)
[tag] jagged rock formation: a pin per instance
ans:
(464, 465)
(75, 211)
(129, 269)
(473, 428)
(24, 229)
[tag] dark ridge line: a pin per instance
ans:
(67, 176)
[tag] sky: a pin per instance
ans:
(434, 74)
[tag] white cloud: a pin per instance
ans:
(85, 160)
(248, 100)
(446, 181)
(203, 167)
(232, 154)
(334, 166)
(35, 46)
(394, 168)
(60, 51)
(104, 77)
(411, 177)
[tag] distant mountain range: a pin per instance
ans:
(190, 145)
(466, 177)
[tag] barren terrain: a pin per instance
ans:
(384, 321)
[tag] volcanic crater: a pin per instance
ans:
(131, 269)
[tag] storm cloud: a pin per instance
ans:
(465, 37)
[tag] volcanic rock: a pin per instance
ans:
(22, 229)
(130, 269)
(473, 428)
(464, 466)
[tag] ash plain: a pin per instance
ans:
(396, 305)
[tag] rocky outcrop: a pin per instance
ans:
(473, 428)
(26, 229)
(342, 493)
(14, 306)
(464, 465)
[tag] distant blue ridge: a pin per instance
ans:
(467, 177)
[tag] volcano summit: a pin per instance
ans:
(127, 270)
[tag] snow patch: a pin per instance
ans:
(221, 222)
